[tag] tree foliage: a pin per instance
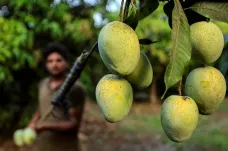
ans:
(27, 26)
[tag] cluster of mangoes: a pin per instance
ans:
(23, 137)
(205, 87)
(119, 49)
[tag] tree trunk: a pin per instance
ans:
(153, 92)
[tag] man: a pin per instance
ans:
(57, 130)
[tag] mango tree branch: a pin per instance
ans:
(72, 76)
(121, 11)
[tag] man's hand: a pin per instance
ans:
(34, 120)
(32, 126)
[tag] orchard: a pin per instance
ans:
(195, 37)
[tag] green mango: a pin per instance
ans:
(114, 96)
(179, 117)
(207, 41)
(207, 86)
(119, 48)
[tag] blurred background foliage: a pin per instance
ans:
(28, 26)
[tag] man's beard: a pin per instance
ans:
(57, 76)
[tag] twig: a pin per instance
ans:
(72, 77)
(121, 11)
(180, 87)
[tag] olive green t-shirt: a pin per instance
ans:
(75, 98)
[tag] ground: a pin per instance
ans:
(141, 131)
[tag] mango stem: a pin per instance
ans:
(180, 87)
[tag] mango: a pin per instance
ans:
(207, 40)
(179, 117)
(29, 136)
(18, 137)
(207, 86)
(119, 48)
(114, 96)
(142, 76)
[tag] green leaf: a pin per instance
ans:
(180, 54)
(30, 39)
(194, 17)
(2, 58)
(133, 19)
(5, 52)
(147, 7)
(168, 8)
(31, 61)
(214, 10)
(146, 41)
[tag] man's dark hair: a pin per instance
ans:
(55, 47)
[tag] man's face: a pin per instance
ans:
(56, 64)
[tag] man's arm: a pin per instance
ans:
(74, 113)
(34, 120)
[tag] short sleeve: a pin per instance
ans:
(76, 95)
